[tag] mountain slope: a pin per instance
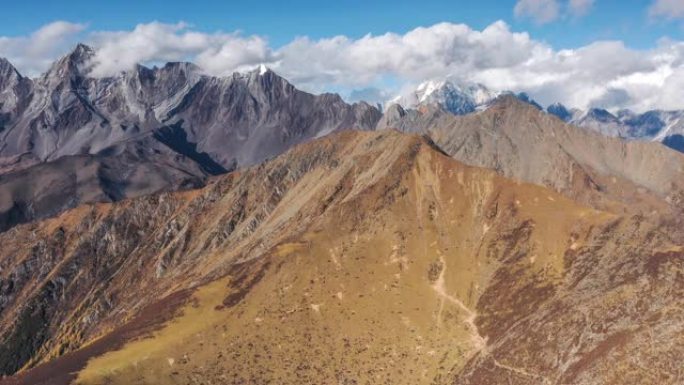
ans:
(361, 257)
(47, 189)
(519, 141)
(457, 98)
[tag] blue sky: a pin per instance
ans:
(584, 53)
(280, 21)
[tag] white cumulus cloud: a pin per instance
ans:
(425, 52)
(33, 53)
(604, 73)
(218, 53)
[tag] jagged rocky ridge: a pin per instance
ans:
(356, 258)
(173, 120)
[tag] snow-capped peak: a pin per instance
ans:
(458, 98)
(426, 89)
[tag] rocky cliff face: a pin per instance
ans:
(238, 120)
(356, 258)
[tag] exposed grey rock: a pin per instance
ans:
(125, 171)
(238, 120)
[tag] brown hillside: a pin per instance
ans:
(359, 258)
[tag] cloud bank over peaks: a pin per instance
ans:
(604, 73)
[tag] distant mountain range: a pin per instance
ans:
(662, 126)
(460, 99)
(67, 112)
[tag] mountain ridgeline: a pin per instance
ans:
(68, 138)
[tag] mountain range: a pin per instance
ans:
(173, 125)
(163, 226)
(463, 98)
(662, 126)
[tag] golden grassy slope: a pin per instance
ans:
(381, 289)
